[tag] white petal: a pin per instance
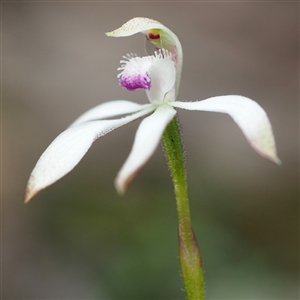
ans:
(248, 115)
(65, 152)
(146, 140)
(109, 109)
(163, 76)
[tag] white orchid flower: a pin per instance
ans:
(158, 74)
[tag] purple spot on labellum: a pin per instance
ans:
(132, 83)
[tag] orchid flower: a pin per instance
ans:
(158, 74)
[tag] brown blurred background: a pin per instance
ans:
(78, 239)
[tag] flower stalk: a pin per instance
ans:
(190, 260)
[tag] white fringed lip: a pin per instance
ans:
(156, 74)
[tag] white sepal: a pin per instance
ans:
(136, 25)
(249, 116)
(108, 110)
(65, 152)
(146, 141)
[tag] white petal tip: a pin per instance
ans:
(109, 33)
(121, 186)
(277, 160)
(271, 155)
(27, 199)
(30, 192)
(266, 148)
(122, 182)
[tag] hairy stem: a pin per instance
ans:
(189, 253)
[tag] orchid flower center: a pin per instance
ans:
(156, 74)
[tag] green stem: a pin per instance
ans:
(189, 253)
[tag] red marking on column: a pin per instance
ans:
(153, 36)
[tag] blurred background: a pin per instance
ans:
(78, 239)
